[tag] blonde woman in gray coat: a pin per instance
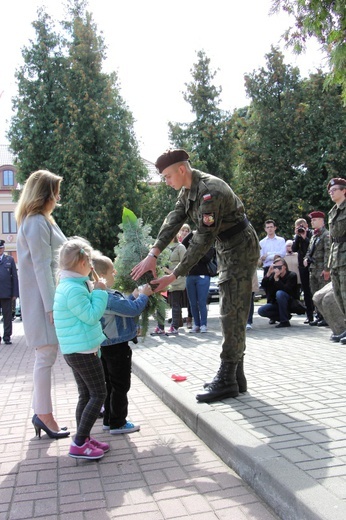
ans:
(38, 241)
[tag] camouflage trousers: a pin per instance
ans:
(317, 281)
(235, 300)
(339, 286)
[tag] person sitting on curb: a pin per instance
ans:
(326, 304)
(281, 287)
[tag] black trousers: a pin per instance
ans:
(6, 306)
(305, 279)
(117, 365)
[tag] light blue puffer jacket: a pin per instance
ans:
(77, 313)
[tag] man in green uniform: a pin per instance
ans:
(219, 217)
(337, 259)
(317, 257)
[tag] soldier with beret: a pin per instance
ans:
(8, 290)
(317, 258)
(337, 260)
(219, 217)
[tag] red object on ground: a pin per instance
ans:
(178, 378)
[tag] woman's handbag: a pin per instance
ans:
(212, 267)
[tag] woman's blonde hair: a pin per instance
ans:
(73, 251)
(40, 187)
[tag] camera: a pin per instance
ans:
(301, 230)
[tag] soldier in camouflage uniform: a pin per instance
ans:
(220, 220)
(337, 260)
(317, 258)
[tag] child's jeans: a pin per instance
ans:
(117, 367)
(89, 375)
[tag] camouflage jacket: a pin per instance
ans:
(213, 207)
(318, 251)
(337, 228)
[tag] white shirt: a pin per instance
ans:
(271, 247)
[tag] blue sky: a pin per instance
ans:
(153, 47)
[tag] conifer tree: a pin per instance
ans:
(209, 136)
(38, 105)
(134, 244)
(83, 128)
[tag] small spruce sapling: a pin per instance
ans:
(134, 244)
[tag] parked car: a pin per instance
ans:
(214, 294)
(18, 310)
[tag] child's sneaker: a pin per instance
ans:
(101, 445)
(172, 331)
(86, 451)
(195, 328)
(158, 332)
(128, 427)
(204, 328)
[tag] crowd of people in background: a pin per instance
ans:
(303, 267)
(93, 323)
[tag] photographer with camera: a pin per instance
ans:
(281, 287)
(300, 245)
(316, 259)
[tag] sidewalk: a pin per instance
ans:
(163, 472)
(286, 437)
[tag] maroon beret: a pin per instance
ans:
(337, 181)
(171, 157)
(317, 214)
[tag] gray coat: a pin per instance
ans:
(38, 242)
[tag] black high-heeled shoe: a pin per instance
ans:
(63, 428)
(39, 425)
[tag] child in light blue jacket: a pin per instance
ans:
(120, 327)
(77, 310)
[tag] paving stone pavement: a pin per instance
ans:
(163, 472)
(286, 436)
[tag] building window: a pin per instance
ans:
(9, 224)
(8, 178)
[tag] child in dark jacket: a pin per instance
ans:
(120, 327)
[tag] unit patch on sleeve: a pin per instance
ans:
(208, 219)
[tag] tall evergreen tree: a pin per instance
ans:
(292, 141)
(208, 137)
(38, 106)
(92, 142)
(96, 142)
(266, 175)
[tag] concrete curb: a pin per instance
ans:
(285, 488)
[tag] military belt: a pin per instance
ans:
(339, 240)
(228, 233)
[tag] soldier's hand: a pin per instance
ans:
(326, 275)
(148, 264)
(159, 284)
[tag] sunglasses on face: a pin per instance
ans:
(278, 267)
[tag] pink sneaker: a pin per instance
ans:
(86, 451)
(172, 331)
(101, 445)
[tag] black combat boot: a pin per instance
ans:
(241, 379)
(223, 385)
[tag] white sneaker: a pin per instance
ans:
(248, 326)
(194, 329)
(204, 328)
